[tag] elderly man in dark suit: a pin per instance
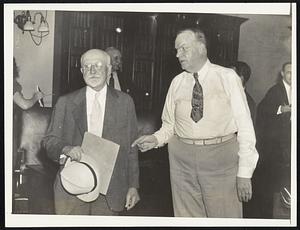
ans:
(72, 117)
(274, 142)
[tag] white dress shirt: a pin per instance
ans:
(101, 97)
(288, 93)
(225, 111)
(90, 96)
(116, 81)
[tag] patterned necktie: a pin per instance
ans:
(95, 118)
(112, 81)
(197, 100)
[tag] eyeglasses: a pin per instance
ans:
(182, 49)
(98, 67)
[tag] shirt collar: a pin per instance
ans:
(202, 72)
(286, 86)
(91, 92)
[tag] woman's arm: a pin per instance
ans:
(24, 103)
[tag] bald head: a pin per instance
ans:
(95, 68)
(191, 49)
(115, 57)
(196, 34)
(111, 49)
(96, 54)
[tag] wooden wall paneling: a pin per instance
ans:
(127, 47)
(168, 65)
(147, 45)
(106, 34)
(224, 38)
(152, 51)
(79, 43)
(143, 60)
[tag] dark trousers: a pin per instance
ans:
(40, 193)
(67, 204)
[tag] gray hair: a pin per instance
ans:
(285, 64)
(96, 50)
(199, 34)
(110, 50)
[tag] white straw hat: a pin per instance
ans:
(81, 178)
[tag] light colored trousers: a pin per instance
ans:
(203, 179)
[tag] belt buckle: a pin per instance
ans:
(216, 140)
(205, 142)
(197, 142)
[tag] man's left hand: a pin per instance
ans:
(244, 189)
(132, 198)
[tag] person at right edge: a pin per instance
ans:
(274, 143)
(211, 141)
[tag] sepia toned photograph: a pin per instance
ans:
(150, 114)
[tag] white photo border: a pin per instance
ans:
(25, 220)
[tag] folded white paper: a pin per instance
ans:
(105, 153)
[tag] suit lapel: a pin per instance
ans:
(79, 111)
(110, 116)
(283, 93)
(120, 80)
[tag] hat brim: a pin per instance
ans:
(93, 195)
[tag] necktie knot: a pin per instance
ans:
(196, 75)
(112, 81)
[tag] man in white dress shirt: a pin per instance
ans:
(116, 65)
(207, 125)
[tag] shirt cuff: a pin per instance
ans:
(245, 172)
(157, 136)
(279, 110)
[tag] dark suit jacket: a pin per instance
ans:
(127, 85)
(252, 106)
(69, 122)
(274, 135)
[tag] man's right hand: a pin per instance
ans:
(74, 152)
(145, 142)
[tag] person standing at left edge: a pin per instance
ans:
(72, 117)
